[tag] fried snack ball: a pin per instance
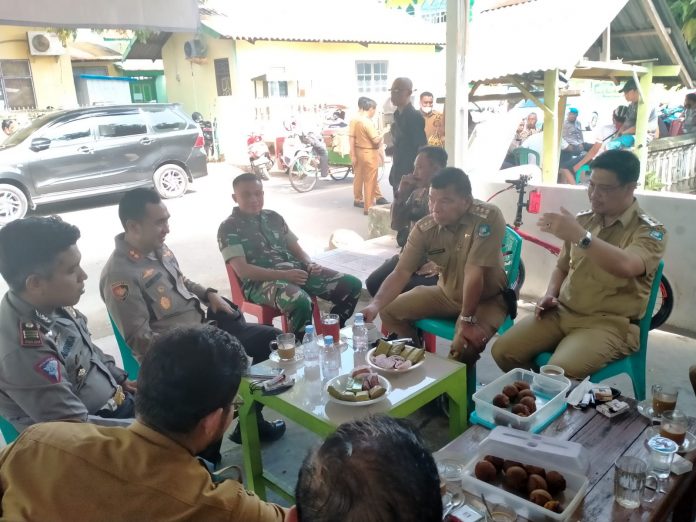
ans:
(516, 478)
(511, 391)
(501, 400)
(521, 410)
(535, 470)
(485, 471)
(529, 403)
(496, 461)
(556, 482)
(536, 482)
(540, 496)
(554, 505)
(507, 464)
(521, 385)
(525, 393)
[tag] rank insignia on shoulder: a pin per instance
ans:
(649, 220)
(49, 368)
(480, 210)
(484, 230)
(120, 290)
(585, 212)
(426, 223)
(657, 234)
(30, 335)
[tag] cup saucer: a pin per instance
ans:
(645, 409)
(299, 355)
(688, 445)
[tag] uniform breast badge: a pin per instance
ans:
(165, 302)
(29, 335)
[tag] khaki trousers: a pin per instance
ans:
(581, 344)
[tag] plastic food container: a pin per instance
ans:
(568, 458)
(550, 402)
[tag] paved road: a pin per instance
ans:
(194, 223)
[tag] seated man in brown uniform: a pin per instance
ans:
(147, 294)
(599, 290)
(463, 237)
(63, 471)
(49, 367)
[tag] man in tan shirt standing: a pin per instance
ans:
(599, 290)
(187, 387)
(463, 237)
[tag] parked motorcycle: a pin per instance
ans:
(259, 156)
(207, 129)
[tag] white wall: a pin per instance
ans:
(675, 211)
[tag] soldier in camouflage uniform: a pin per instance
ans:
(49, 367)
(274, 269)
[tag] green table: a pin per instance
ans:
(307, 404)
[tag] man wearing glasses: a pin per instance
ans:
(408, 132)
(599, 289)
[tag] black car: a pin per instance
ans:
(98, 150)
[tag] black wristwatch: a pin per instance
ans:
(584, 241)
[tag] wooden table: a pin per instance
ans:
(606, 440)
(307, 404)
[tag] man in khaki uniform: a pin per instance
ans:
(147, 294)
(49, 367)
(63, 471)
(463, 237)
(599, 290)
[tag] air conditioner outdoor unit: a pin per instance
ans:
(195, 49)
(44, 44)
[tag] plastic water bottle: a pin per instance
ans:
(331, 360)
(360, 341)
(309, 347)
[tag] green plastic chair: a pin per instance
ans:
(433, 328)
(522, 154)
(9, 432)
(634, 364)
(130, 364)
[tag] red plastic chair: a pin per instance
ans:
(263, 313)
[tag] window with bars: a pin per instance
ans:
(16, 85)
(222, 77)
(372, 77)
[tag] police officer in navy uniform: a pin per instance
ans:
(147, 294)
(49, 367)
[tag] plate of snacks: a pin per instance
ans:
(361, 387)
(395, 358)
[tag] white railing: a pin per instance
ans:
(672, 161)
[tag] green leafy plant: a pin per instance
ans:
(652, 182)
(684, 12)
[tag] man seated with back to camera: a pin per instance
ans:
(599, 290)
(188, 385)
(409, 206)
(49, 367)
(375, 469)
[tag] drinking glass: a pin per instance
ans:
(330, 325)
(664, 398)
(630, 477)
(673, 426)
(285, 346)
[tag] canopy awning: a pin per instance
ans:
(159, 15)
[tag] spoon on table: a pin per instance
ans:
(453, 504)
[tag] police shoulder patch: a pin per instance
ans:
(49, 368)
(657, 234)
(120, 290)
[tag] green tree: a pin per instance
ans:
(685, 13)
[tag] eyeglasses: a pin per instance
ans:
(603, 189)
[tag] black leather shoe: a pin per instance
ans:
(358, 204)
(382, 201)
(269, 431)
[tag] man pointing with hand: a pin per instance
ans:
(600, 287)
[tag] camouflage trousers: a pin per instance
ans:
(342, 290)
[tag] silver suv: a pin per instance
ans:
(97, 150)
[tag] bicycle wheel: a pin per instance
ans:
(303, 173)
(663, 304)
(339, 172)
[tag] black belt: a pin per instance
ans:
(634, 321)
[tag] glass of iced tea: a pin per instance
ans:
(330, 325)
(664, 398)
(673, 425)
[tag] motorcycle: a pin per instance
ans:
(259, 156)
(207, 129)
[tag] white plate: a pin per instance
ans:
(340, 383)
(368, 359)
(276, 358)
(688, 445)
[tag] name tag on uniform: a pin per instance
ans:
(153, 280)
(436, 251)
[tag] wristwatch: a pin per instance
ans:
(584, 241)
(471, 319)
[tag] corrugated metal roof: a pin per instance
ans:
(359, 21)
(535, 36)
